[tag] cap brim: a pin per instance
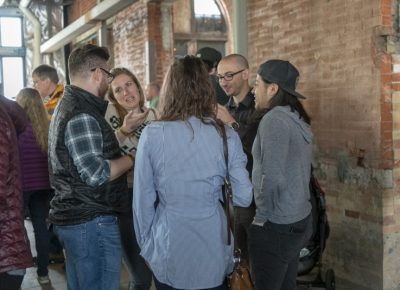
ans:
(294, 93)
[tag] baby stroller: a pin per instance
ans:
(311, 255)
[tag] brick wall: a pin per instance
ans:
(130, 35)
(346, 74)
(79, 8)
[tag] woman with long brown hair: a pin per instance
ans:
(35, 174)
(179, 171)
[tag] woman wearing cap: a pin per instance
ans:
(281, 175)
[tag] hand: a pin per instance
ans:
(133, 121)
(224, 115)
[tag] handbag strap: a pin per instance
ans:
(228, 196)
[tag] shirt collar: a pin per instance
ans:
(247, 101)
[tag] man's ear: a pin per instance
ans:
(95, 75)
(245, 74)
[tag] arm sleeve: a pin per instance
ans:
(144, 192)
(241, 184)
(274, 137)
(84, 141)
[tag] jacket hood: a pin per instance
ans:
(305, 129)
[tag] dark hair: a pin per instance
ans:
(45, 71)
(85, 58)
(209, 65)
(283, 98)
(187, 91)
(120, 109)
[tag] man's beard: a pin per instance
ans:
(103, 90)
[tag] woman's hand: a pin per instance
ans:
(133, 121)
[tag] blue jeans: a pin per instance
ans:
(274, 253)
(93, 254)
(37, 202)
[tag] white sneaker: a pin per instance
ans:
(43, 279)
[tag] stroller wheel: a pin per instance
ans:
(330, 280)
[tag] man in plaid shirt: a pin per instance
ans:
(88, 174)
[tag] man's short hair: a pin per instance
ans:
(45, 71)
(83, 59)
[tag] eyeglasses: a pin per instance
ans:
(228, 76)
(110, 76)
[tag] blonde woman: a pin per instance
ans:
(128, 117)
(35, 175)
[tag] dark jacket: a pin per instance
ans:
(16, 113)
(34, 163)
(247, 117)
(14, 244)
(75, 201)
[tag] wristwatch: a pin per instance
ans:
(235, 126)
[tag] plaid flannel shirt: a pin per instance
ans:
(84, 141)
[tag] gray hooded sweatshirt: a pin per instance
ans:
(281, 169)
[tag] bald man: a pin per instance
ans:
(233, 76)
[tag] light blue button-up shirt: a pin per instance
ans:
(184, 237)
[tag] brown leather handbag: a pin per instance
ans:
(240, 278)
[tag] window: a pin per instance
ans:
(10, 37)
(207, 16)
(198, 23)
(12, 52)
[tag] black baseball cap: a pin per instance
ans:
(282, 73)
(209, 54)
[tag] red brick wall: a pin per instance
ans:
(327, 41)
(344, 73)
(162, 57)
(130, 35)
(79, 8)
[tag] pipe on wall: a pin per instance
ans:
(23, 6)
(240, 27)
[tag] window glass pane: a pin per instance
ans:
(208, 17)
(13, 76)
(206, 8)
(10, 29)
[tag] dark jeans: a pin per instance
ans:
(37, 203)
(243, 218)
(10, 282)
(274, 253)
(139, 272)
(161, 286)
